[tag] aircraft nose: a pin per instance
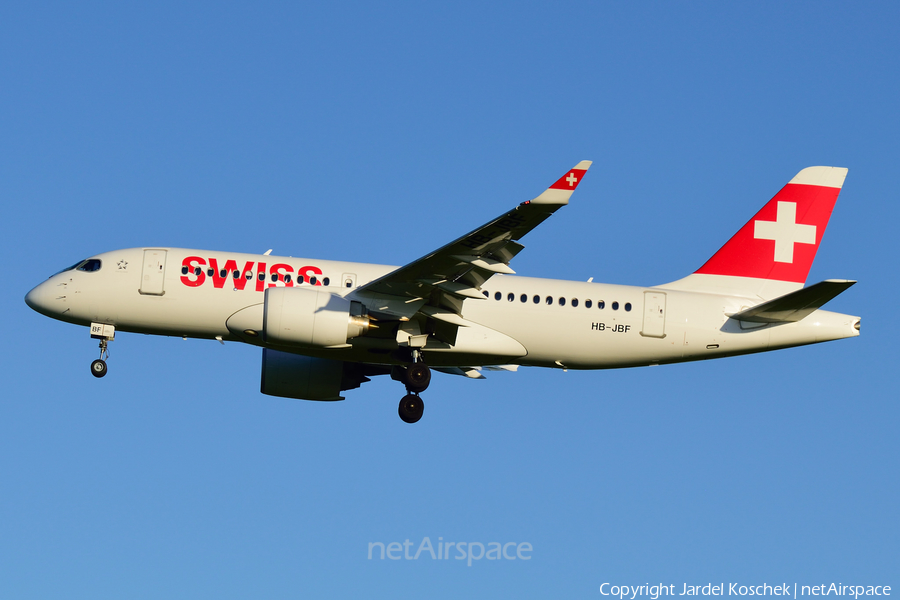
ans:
(38, 299)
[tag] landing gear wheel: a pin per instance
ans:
(411, 408)
(417, 377)
(98, 368)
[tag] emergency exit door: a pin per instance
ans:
(654, 315)
(153, 273)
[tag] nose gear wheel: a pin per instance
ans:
(98, 367)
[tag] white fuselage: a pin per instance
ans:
(574, 325)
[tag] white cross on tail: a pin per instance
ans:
(785, 231)
(571, 179)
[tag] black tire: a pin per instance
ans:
(411, 408)
(417, 377)
(98, 368)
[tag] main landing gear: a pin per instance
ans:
(411, 408)
(416, 378)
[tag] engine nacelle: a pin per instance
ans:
(307, 378)
(310, 317)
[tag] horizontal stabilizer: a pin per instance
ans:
(796, 305)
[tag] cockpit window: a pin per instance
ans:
(72, 268)
(90, 265)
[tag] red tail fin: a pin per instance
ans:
(781, 241)
(772, 254)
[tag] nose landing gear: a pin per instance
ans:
(104, 333)
(98, 367)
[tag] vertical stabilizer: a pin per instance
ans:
(771, 255)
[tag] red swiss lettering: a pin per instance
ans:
(191, 278)
(229, 269)
(280, 270)
(193, 275)
(310, 272)
(260, 277)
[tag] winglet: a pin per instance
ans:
(559, 192)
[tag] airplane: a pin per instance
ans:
(326, 327)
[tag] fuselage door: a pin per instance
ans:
(153, 273)
(654, 315)
(348, 280)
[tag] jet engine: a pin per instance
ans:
(308, 378)
(310, 317)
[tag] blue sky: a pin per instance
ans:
(378, 132)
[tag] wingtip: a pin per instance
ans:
(559, 192)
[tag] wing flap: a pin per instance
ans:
(475, 372)
(796, 305)
(470, 372)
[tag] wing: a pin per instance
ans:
(437, 284)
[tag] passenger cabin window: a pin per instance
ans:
(523, 298)
(326, 281)
(601, 304)
(91, 265)
(562, 301)
(574, 301)
(615, 306)
(287, 278)
(312, 280)
(209, 272)
(349, 283)
(497, 295)
(510, 296)
(262, 276)
(549, 300)
(628, 306)
(588, 303)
